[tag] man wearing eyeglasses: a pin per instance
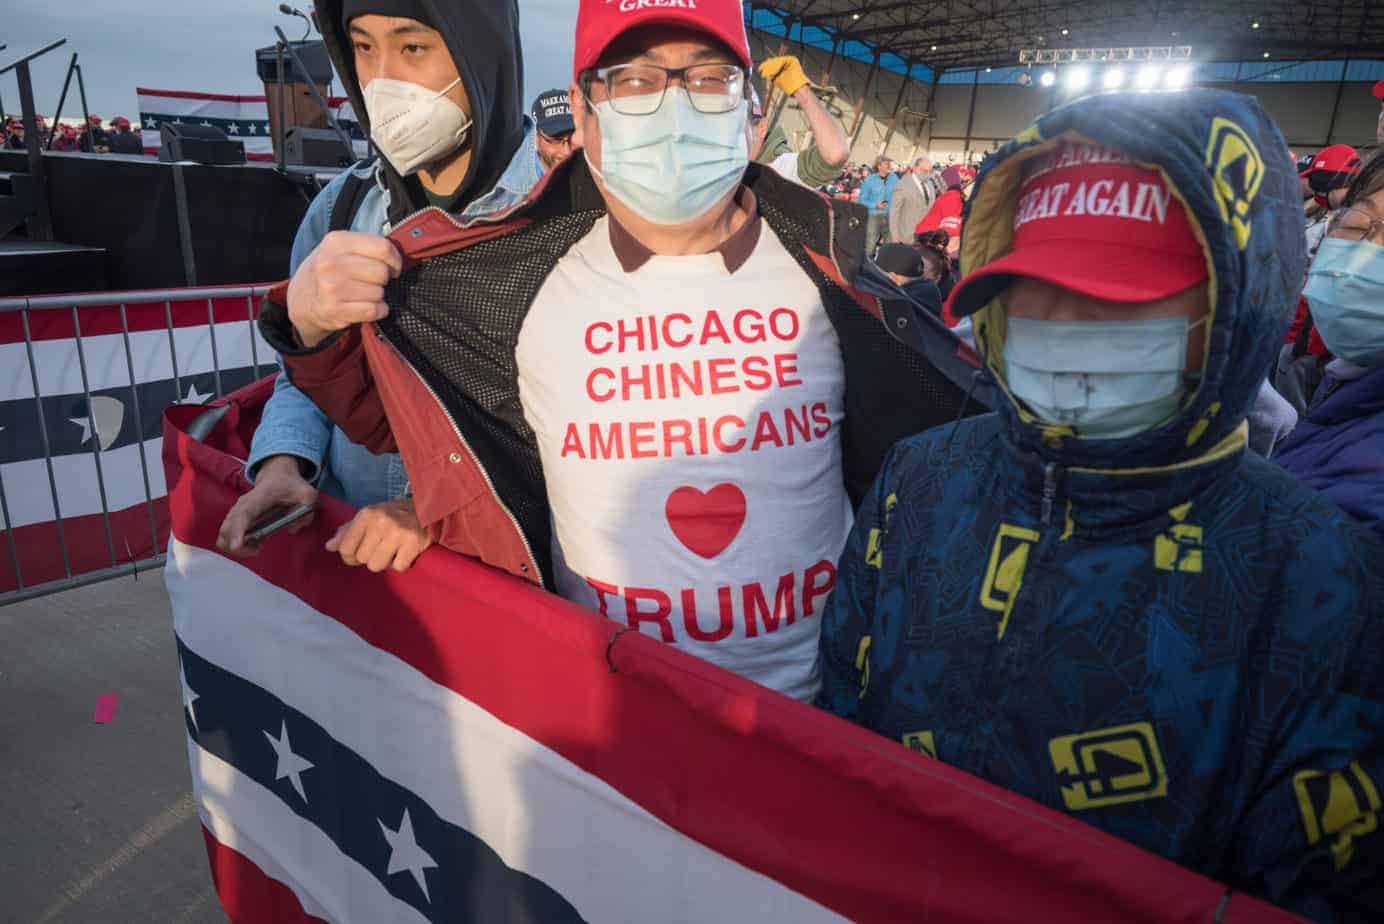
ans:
(652, 387)
(552, 115)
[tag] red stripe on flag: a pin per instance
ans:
(851, 820)
(188, 94)
(247, 895)
(56, 323)
(218, 97)
(40, 554)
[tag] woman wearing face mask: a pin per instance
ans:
(1338, 448)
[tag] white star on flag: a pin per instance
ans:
(266, 128)
(234, 129)
(151, 123)
(252, 128)
(193, 396)
(206, 124)
(288, 764)
(405, 854)
(85, 423)
(189, 697)
(109, 415)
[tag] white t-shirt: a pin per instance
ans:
(786, 166)
(688, 421)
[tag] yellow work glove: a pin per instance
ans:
(786, 71)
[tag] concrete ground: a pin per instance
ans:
(97, 822)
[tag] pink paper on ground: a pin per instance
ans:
(105, 708)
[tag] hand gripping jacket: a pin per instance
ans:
(1163, 635)
(437, 379)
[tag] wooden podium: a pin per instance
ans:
(288, 95)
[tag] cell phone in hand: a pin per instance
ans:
(276, 521)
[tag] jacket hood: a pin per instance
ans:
(1220, 154)
(483, 37)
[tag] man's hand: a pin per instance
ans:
(278, 484)
(786, 72)
(382, 536)
(341, 283)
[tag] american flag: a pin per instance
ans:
(242, 118)
(64, 460)
(453, 744)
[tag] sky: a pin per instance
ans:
(206, 45)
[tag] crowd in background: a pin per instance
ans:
(116, 136)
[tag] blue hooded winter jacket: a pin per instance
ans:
(1164, 635)
(1338, 448)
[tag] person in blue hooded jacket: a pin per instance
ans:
(1096, 597)
(1338, 448)
(437, 85)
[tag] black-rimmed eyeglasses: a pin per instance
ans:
(638, 89)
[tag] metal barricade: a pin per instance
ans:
(120, 367)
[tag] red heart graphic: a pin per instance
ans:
(706, 522)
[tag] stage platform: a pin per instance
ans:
(33, 267)
(97, 822)
(163, 225)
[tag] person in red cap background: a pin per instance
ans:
(94, 137)
(946, 215)
(66, 140)
(1098, 597)
(124, 141)
(1379, 95)
(669, 392)
(14, 135)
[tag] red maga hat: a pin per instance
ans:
(1091, 221)
(1379, 91)
(1338, 158)
(601, 22)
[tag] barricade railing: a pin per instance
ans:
(88, 377)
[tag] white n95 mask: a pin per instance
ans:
(412, 125)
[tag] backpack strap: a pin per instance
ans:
(348, 200)
(1304, 335)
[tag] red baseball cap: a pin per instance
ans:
(1089, 220)
(600, 22)
(1379, 91)
(1338, 158)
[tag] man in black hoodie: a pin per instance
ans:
(437, 86)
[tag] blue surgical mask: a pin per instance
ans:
(675, 163)
(1106, 379)
(1345, 289)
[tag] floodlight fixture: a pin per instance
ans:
(1114, 78)
(1078, 78)
(1048, 79)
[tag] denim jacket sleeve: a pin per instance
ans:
(292, 424)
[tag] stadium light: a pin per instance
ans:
(1114, 78)
(1177, 77)
(1078, 78)
(1148, 75)
(1048, 78)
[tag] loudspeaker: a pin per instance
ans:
(202, 144)
(316, 147)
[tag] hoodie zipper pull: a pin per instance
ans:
(1049, 490)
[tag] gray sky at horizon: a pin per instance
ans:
(204, 45)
